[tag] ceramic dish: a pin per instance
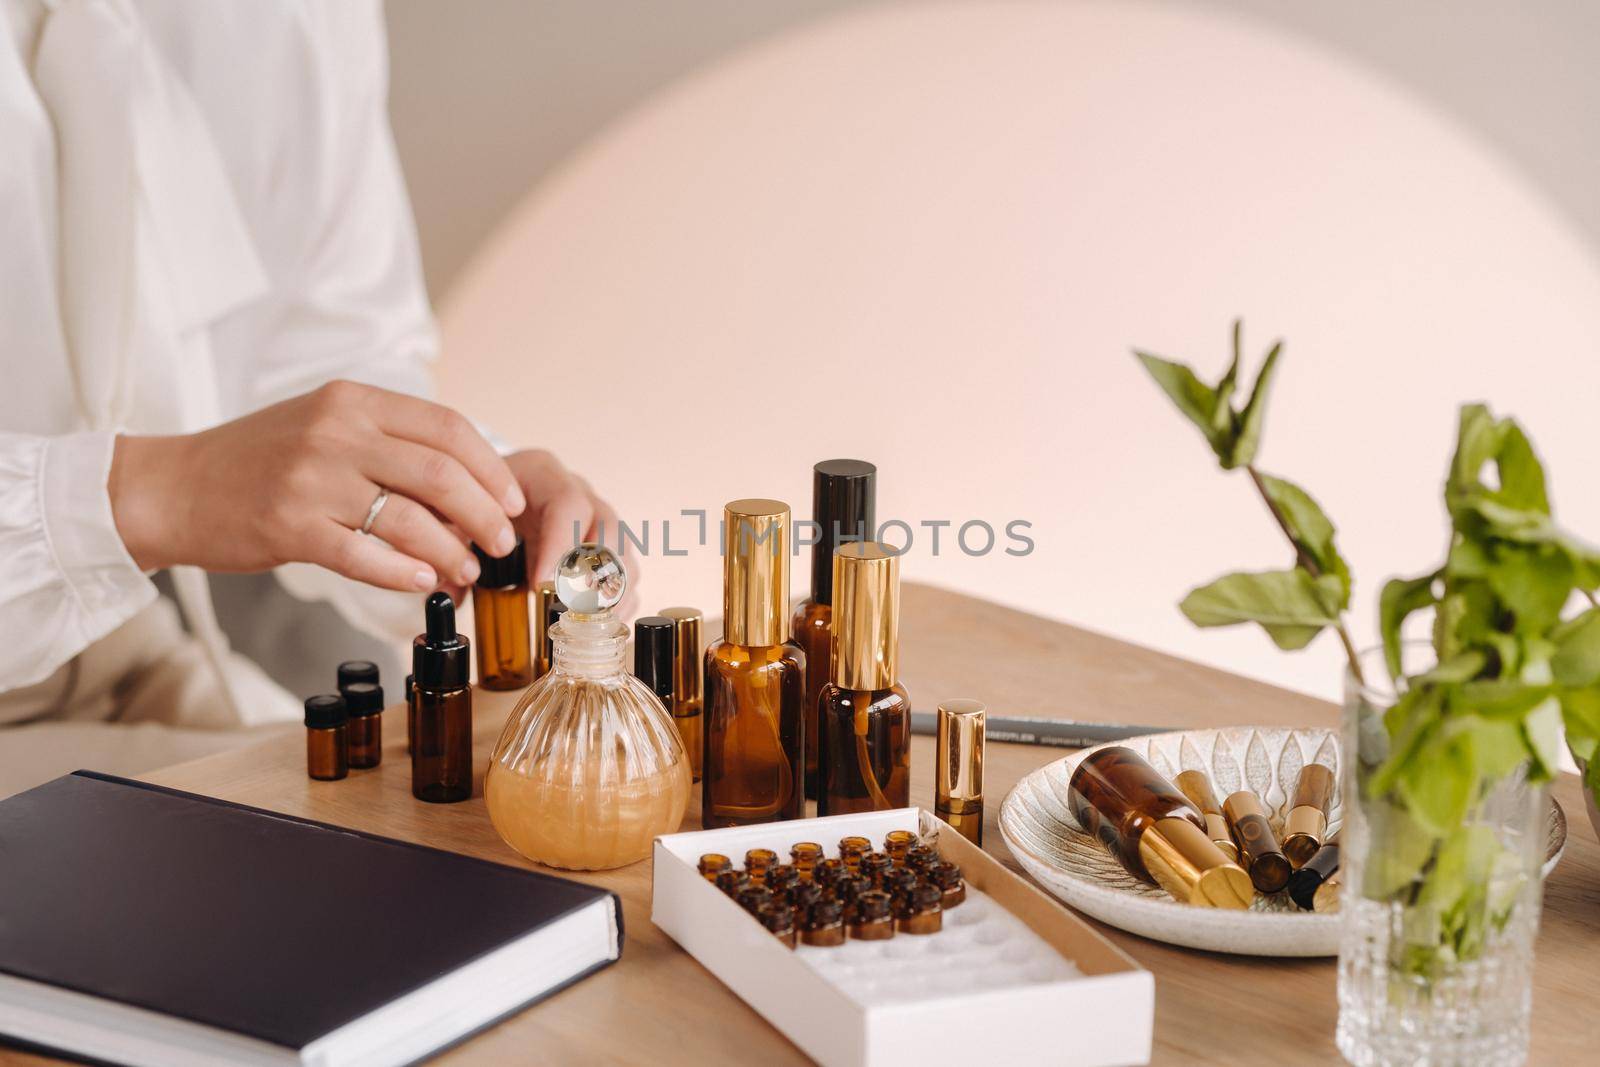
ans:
(1038, 826)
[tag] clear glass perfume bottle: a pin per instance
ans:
(589, 768)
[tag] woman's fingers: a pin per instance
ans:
(435, 479)
(568, 513)
(447, 431)
(413, 530)
(367, 559)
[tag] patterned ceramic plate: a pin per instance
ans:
(1038, 825)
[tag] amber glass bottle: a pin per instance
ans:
(441, 760)
(754, 679)
(866, 714)
(843, 505)
(327, 738)
(688, 690)
(500, 619)
(1153, 829)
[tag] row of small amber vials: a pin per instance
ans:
(861, 894)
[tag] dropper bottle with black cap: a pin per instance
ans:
(441, 757)
(844, 506)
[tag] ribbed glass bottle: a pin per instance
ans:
(589, 769)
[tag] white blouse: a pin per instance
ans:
(201, 213)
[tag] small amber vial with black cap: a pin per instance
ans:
(327, 738)
(919, 912)
(823, 924)
(713, 864)
(947, 877)
(851, 849)
(500, 619)
(778, 920)
(872, 866)
(874, 917)
(895, 844)
(805, 855)
(363, 702)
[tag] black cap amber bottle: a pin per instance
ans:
(1151, 827)
(327, 740)
(441, 759)
(500, 619)
(755, 679)
(865, 762)
(363, 702)
(843, 506)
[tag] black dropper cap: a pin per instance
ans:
(844, 502)
(440, 657)
(363, 698)
(502, 572)
(652, 654)
(325, 711)
(352, 671)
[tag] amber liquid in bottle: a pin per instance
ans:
(812, 629)
(505, 651)
(441, 762)
(866, 750)
(754, 735)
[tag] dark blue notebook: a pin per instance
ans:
(143, 925)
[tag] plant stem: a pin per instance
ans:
(1309, 565)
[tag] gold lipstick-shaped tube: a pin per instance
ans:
(1307, 821)
(1258, 845)
(1197, 787)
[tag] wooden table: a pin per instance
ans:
(658, 1005)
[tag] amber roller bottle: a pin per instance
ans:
(441, 759)
(688, 690)
(1153, 829)
(843, 505)
(754, 679)
(865, 762)
(1307, 821)
(500, 619)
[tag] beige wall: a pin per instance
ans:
(489, 95)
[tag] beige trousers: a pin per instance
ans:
(141, 698)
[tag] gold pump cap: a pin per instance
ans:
(866, 616)
(1187, 864)
(958, 755)
(687, 646)
(755, 588)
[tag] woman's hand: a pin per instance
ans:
(563, 509)
(294, 482)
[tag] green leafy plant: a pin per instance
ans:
(1513, 662)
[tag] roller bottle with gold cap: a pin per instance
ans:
(843, 506)
(1307, 821)
(1197, 787)
(1258, 846)
(1153, 829)
(754, 761)
(688, 686)
(959, 739)
(865, 762)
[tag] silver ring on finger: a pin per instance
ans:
(377, 506)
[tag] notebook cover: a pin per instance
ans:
(274, 927)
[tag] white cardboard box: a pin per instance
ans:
(1103, 1017)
